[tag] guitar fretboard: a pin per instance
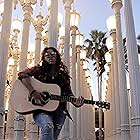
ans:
(69, 99)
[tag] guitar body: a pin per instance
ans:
(19, 97)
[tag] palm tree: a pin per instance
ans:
(96, 49)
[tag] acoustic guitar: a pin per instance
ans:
(52, 96)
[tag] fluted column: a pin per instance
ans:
(134, 72)
(53, 24)
(73, 81)
(83, 115)
(109, 117)
(82, 93)
(67, 5)
(78, 92)
(113, 101)
(116, 85)
(4, 44)
(11, 112)
(27, 9)
(26, 6)
(125, 133)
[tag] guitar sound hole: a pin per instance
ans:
(46, 97)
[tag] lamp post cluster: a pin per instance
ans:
(123, 114)
(122, 121)
(18, 126)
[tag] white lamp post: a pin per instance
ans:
(74, 20)
(119, 64)
(53, 25)
(67, 5)
(38, 24)
(111, 24)
(61, 40)
(28, 10)
(4, 43)
(79, 42)
(134, 72)
(82, 57)
(16, 27)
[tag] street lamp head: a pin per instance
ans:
(107, 69)
(83, 54)
(109, 43)
(116, 1)
(87, 73)
(108, 57)
(16, 25)
(48, 3)
(85, 64)
(60, 18)
(74, 19)
(62, 31)
(79, 39)
(116, 5)
(111, 23)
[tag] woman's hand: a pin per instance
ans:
(79, 102)
(37, 96)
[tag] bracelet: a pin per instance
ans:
(32, 92)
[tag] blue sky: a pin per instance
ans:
(95, 12)
(93, 16)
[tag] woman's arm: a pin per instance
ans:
(24, 76)
(27, 83)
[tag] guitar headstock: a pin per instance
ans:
(103, 104)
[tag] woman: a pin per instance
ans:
(51, 70)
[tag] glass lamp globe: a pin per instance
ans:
(85, 65)
(74, 19)
(31, 48)
(1, 6)
(107, 68)
(11, 61)
(109, 43)
(88, 79)
(16, 25)
(48, 3)
(87, 73)
(62, 31)
(111, 23)
(79, 39)
(108, 57)
(111, 1)
(83, 53)
(60, 18)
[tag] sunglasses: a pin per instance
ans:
(50, 53)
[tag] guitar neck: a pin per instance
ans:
(101, 104)
(69, 99)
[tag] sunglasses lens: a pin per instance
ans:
(50, 53)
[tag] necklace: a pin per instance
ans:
(52, 75)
